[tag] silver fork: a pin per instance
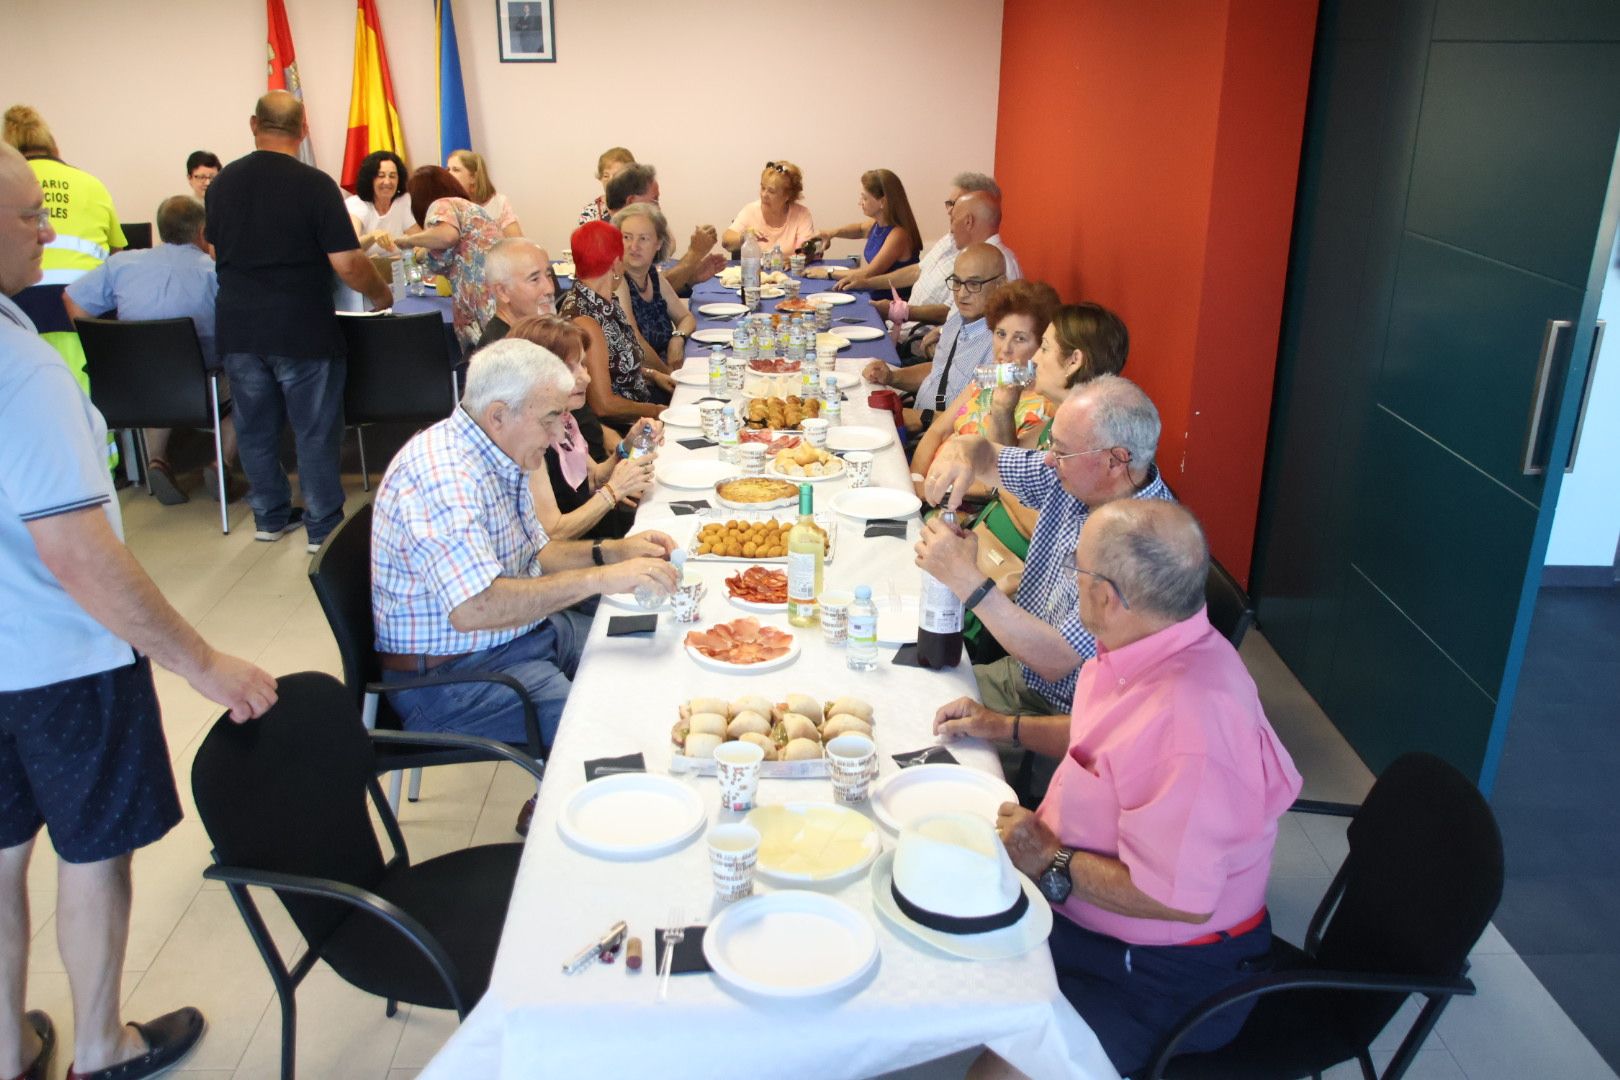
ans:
(674, 933)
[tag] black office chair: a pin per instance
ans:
(1420, 884)
(341, 576)
(398, 371)
(151, 373)
(1230, 609)
(283, 799)
(137, 234)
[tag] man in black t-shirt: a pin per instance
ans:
(280, 232)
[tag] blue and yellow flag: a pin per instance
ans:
(453, 131)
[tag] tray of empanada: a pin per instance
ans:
(792, 732)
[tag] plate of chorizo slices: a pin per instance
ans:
(758, 588)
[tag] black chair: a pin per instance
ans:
(398, 371)
(283, 799)
(151, 373)
(137, 234)
(1422, 879)
(1230, 610)
(341, 576)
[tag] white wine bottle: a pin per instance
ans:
(806, 548)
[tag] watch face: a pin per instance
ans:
(1055, 885)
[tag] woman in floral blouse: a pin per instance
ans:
(456, 234)
(621, 389)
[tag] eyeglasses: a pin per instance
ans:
(1057, 457)
(950, 204)
(41, 218)
(1069, 566)
(776, 166)
(207, 177)
(970, 285)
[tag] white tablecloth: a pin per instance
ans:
(916, 1006)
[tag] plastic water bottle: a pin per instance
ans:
(717, 371)
(990, 376)
(750, 270)
(398, 282)
(862, 651)
(643, 442)
(728, 435)
(795, 349)
(650, 596)
(832, 402)
(742, 345)
(775, 261)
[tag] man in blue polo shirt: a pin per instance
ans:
(81, 740)
(174, 280)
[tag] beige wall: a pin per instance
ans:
(909, 85)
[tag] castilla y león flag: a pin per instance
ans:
(373, 116)
(283, 64)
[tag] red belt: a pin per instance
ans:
(1237, 931)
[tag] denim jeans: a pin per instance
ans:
(267, 392)
(543, 660)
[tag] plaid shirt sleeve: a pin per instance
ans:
(447, 538)
(1025, 474)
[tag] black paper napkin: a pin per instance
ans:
(597, 768)
(886, 527)
(689, 958)
(697, 442)
(621, 625)
(688, 506)
(928, 755)
(905, 657)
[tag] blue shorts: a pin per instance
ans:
(1133, 995)
(87, 758)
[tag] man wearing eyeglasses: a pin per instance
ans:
(638, 182)
(1104, 437)
(82, 749)
(464, 577)
(964, 340)
(1155, 839)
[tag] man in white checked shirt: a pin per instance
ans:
(464, 577)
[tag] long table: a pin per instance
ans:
(917, 1005)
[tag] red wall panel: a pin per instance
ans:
(1148, 154)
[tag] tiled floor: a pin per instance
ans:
(189, 946)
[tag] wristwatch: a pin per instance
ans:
(1055, 883)
(973, 598)
(596, 553)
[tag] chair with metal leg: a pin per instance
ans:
(1230, 609)
(151, 373)
(399, 371)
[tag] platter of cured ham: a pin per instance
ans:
(742, 646)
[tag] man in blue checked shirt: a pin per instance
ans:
(463, 575)
(1104, 437)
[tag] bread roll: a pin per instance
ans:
(851, 706)
(707, 705)
(707, 724)
(701, 746)
(805, 706)
(751, 703)
(844, 724)
(761, 741)
(794, 726)
(801, 750)
(748, 723)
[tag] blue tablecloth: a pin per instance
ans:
(712, 291)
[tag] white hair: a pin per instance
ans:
(977, 181)
(1124, 416)
(511, 369)
(501, 261)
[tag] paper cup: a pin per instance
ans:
(736, 373)
(710, 411)
(737, 766)
(752, 456)
(733, 851)
(683, 602)
(852, 765)
(859, 464)
(835, 618)
(815, 431)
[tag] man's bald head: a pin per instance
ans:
(1153, 550)
(22, 241)
(13, 166)
(975, 218)
(279, 113)
(981, 268)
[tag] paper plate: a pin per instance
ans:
(845, 438)
(695, 372)
(790, 944)
(721, 309)
(628, 602)
(844, 380)
(858, 333)
(691, 473)
(996, 945)
(829, 338)
(917, 792)
(897, 622)
(755, 606)
(728, 668)
(631, 816)
(872, 503)
(683, 416)
(563, 269)
(714, 335)
(809, 842)
(838, 298)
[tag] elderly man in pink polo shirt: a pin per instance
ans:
(1154, 840)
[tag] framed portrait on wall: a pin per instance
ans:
(526, 30)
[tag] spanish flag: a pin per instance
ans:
(373, 115)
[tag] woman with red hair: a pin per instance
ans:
(621, 389)
(456, 234)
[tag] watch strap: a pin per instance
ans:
(596, 553)
(974, 597)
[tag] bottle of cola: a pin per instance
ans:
(939, 619)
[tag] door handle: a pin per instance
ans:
(1538, 403)
(1586, 394)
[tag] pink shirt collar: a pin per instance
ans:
(1129, 661)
